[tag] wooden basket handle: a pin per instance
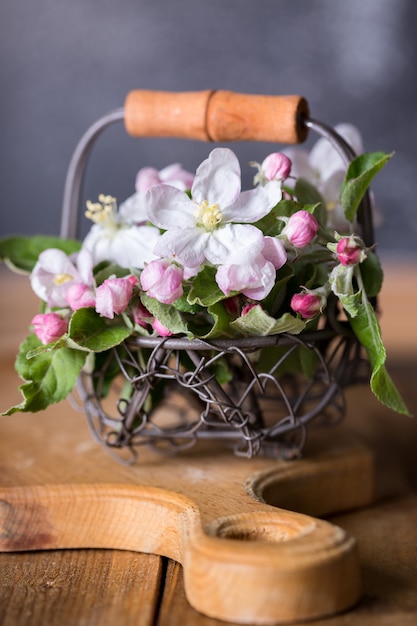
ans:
(216, 116)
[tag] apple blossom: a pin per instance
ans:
(113, 296)
(252, 270)
(350, 251)
(112, 239)
(204, 227)
(141, 315)
(301, 229)
(162, 279)
(160, 329)
(276, 166)
(324, 168)
(174, 175)
(132, 210)
(55, 272)
(308, 304)
(79, 296)
(49, 327)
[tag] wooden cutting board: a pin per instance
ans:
(245, 531)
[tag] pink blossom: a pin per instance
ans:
(49, 327)
(301, 229)
(254, 279)
(141, 315)
(80, 296)
(276, 166)
(248, 307)
(217, 221)
(162, 280)
(173, 175)
(160, 329)
(307, 304)
(349, 251)
(113, 296)
(55, 272)
(274, 251)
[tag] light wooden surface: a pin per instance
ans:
(98, 586)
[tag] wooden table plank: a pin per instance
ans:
(77, 587)
(386, 532)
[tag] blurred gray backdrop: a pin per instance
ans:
(66, 63)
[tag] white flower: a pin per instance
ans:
(55, 272)
(111, 239)
(132, 210)
(324, 168)
(217, 220)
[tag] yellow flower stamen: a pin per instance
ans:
(102, 212)
(208, 215)
(59, 279)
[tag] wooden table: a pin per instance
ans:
(75, 587)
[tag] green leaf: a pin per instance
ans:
(372, 274)
(49, 377)
(306, 193)
(205, 291)
(221, 325)
(359, 175)
(20, 253)
(89, 331)
(167, 314)
(276, 297)
(366, 328)
(258, 323)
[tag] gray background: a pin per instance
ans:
(65, 63)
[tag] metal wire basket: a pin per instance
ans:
(268, 403)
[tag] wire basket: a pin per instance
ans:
(278, 384)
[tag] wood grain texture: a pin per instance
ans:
(75, 587)
(388, 567)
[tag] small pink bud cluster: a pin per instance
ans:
(162, 280)
(173, 175)
(308, 304)
(349, 251)
(49, 327)
(276, 166)
(113, 295)
(301, 229)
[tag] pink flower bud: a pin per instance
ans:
(307, 304)
(276, 166)
(113, 296)
(160, 329)
(162, 280)
(301, 229)
(247, 308)
(79, 296)
(146, 178)
(141, 315)
(173, 175)
(49, 327)
(349, 252)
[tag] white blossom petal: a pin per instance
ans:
(301, 166)
(254, 204)
(326, 159)
(233, 243)
(217, 179)
(187, 246)
(128, 247)
(132, 210)
(170, 208)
